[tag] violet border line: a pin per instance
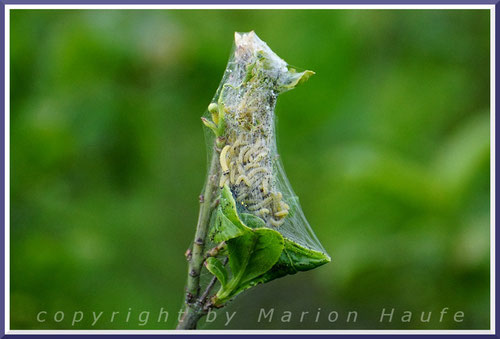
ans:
(250, 2)
(2, 165)
(3, 3)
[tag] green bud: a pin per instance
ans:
(212, 108)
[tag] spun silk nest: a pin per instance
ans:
(241, 123)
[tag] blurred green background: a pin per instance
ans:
(387, 146)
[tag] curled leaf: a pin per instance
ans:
(215, 267)
(294, 79)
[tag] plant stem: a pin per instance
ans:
(194, 311)
(190, 318)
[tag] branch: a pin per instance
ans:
(196, 257)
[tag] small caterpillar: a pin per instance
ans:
(265, 187)
(232, 173)
(222, 181)
(281, 213)
(251, 165)
(243, 150)
(260, 156)
(244, 179)
(249, 152)
(261, 204)
(255, 171)
(277, 223)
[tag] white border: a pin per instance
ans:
(289, 332)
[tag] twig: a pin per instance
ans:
(193, 311)
(197, 257)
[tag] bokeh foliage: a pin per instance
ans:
(387, 146)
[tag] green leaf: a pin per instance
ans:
(228, 206)
(301, 258)
(294, 79)
(224, 229)
(239, 251)
(215, 267)
(252, 221)
(250, 256)
(264, 247)
(294, 258)
(266, 253)
(227, 223)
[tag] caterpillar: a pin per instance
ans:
(223, 160)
